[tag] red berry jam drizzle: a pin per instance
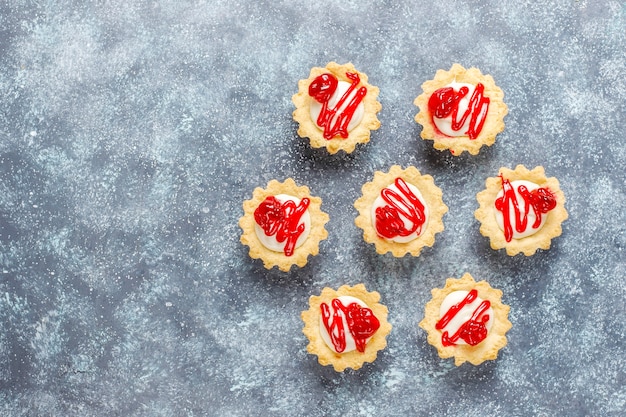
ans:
(389, 223)
(472, 331)
(330, 119)
(282, 220)
(445, 102)
(542, 200)
(362, 324)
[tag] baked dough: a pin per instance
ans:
(528, 245)
(495, 339)
(493, 121)
(432, 198)
(353, 359)
(316, 232)
(308, 127)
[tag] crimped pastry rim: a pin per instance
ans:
(496, 339)
(541, 239)
(494, 122)
(353, 359)
(307, 127)
(311, 245)
(433, 197)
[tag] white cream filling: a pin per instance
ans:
(270, 242)
(342, 87)
(346, 300)
(445, 124)
(463, 315)
(380, 202)
(520, 201)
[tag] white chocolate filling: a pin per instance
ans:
(342, 87)
(463, 315)
(270, 242)
(346, 300)
(380, 202)
(520, 201)
(445, 124)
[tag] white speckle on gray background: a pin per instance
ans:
(132, 131)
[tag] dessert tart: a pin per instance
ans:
(283, 224)
(346, 327)
(521, 210)
(461, 110)
(336, 107)
(400, 211)
(466, 320)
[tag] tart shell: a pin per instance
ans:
(494, 121)
(432, 195)
(308, 128)
(269, 257)
(353, 359)
(530, 244)
(496, 338)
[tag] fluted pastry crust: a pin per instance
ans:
(353, 359)
(432, 195)
(496, 337)
(309, 129)
(300, 255)
(494, 121)
(530, 244)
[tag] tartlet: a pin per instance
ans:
(400, 211)
(283, 224)
(461, 110)
(336, 108)
(466, 320)
(346, 327)
(521, 210)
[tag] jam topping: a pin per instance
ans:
(403, 213)
(335, 118)
(360, 321)
(282, 220)
(467, 113)
(471, 330)
(515, 213)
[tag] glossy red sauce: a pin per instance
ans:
(541, 200)
(472, 331)
(445, 102)
(333, 120)
(362, 324)
(389, 222)
(282, 220)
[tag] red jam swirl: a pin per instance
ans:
(332, 120)
(445, 102)
(362, 324)
(542, 200)
(389, 223)
(282, 220)
(472, 331)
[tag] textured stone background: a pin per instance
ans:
(131, 132)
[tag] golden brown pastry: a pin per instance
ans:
(336, 107)
(283, 224)
(521, 210)
(346, 327)
(400, 211)
(461, 110)
(466, 320)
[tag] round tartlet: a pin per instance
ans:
(461, 95)
(392, 219)
(364, 326)
(267, 229)
(341, 95)
(468, 329)
(538, 199)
